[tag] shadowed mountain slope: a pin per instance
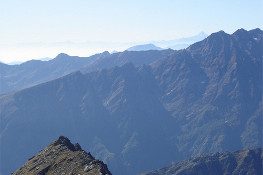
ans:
(104, 110)
(134, 57)
(214, 90)
(239, 162)
(205, 99)
(62, 157)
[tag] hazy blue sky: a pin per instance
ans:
(25, 24)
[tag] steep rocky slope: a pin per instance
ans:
(103, 110)
(214, 91)
(246, 162)
(62, 157)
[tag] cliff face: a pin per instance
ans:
(63, 157)
(240, 162)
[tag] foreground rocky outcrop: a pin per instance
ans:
(240, 162)
(63, 157)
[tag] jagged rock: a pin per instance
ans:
(246, 162)
(63, 157)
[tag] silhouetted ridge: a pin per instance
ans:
(256, 33)
(242, 34)
(241, 31)
(105, 53)
(31, 73)
(212, 45)
(62, 55)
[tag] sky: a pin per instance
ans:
(34, 29)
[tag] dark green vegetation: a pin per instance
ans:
(62, 157)
(247, 162)
(205, 99)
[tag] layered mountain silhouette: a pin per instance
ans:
(235, 163)
(204, 99)
(15, 77)
(62, 157)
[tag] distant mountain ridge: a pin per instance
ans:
(22, 75)
(177, 44)
(181, 43)
(30, 73)
(203, 99)
(15, 77)
(239, 162)
(144, 47)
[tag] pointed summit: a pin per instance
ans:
(64, 141)
(62, 55)
(63, 157)
(241, 33)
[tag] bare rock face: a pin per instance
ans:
(246, 162)
(63, 157)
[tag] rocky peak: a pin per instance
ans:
(63, 157)
(212, 44)
(241, 31)
(242, 35)
(256, 33)
(64, 141)
(62, 57)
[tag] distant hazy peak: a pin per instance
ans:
(144, 47)
(105, 53)
(202, 34)
(62, 55)
(258, 30)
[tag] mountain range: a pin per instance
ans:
(30, 73)
(91, 47)
(15, 77)
(163, 107)
(18, 75)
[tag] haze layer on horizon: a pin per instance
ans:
(36, 29)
